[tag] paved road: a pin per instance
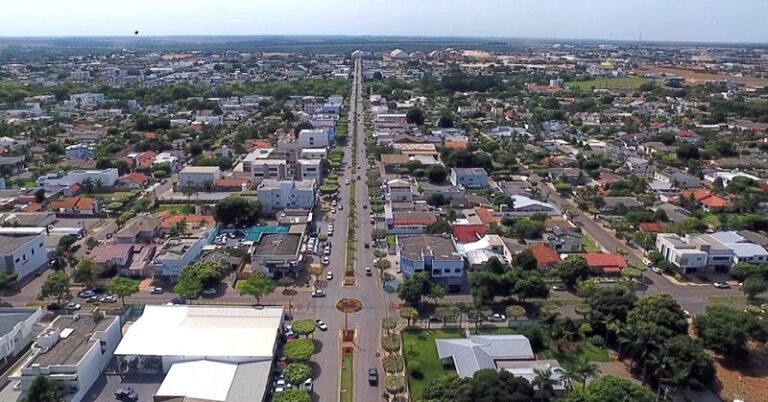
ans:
(692, 298)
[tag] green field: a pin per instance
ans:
(346, 393)
(607, 83)
(589, 245)
(181, 209)
(420, 346)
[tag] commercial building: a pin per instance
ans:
(79, 152)
(524, 206)
(72, 352)
(277, 254)
(469, 177)
(206, 353)
(56, 181)
(17, 325)
(199, 176)
(22, 254)
(178, 252)
(314, 138)
(694, 253)
(435, 255)
(276, 195)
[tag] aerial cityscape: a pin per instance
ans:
(236, 211)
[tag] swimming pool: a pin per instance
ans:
(255, 233)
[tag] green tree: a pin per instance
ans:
(662, 311)
(292, 395)
(297, 373)
(56, 284)
(726, 330)
(188, 287)
(413, 289)
(753, 286)
(237, 211)
(573, 269)
(531, 286)
(610, 303)
(440, 226)
(6, 279)
(545, 381)
(415, 116)
(681, 354)
(525, 260)
(304, 327)
(123, 287)
(43, 390)
(86, 272)
(485, 385)
(436, 173)
(409, 313)
(299, 350)
(286, 282)
(515, 312)
(258, 286)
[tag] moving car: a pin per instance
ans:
(341, 207)
(73, 306)
(721, 285)
(656, 270)
(373, 376)
(321, 325)
(368, 271)
(329, 275)
(366, 245)
(318, 293)
(498, 317)
(156, 290)
(558, 287)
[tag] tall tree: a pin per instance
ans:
(123, 287)
(413, 289)
(56, 284)
(661, 310)
(726, 330)
(258, 286)
(86, 272)
(43, 390)
(572, 270)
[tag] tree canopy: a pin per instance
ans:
(257, 286)
(485, 385)
(610, 388)
(413, 289)
(123, 287)
(299, 350)
(660, 310)
(237, 212)
(43, 390)
(726, 330)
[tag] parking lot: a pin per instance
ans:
(105, 387)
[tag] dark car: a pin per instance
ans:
(126, 394)
(373, 376)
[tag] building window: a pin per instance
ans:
(457, 270)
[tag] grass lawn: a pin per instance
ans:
(391, 241)
(346, 393)
(176, 208)
(589, 245)
(117, 195)
(715, 300)
(419, 345)
(608, 83)
(583, 349)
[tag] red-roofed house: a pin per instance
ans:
(132, 180)
(411, 221)
(76, 205)
(149, 135)
(687, 136)
(706, 199)
(231, 184)
(167, 220)
(469, 233)
(607, 264)
(546, 257)
(485, 216)
(145, 158)
(651, 227)
(456, 144)
(250, 145)
(72, 191)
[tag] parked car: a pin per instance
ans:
(656, 270)
(721, 285)
(497, 317)
(156, 290)
(329, 275)
(318, 293)
(647, 262)
(340, 207)
(558, 287)
(373, 376)
(308, 385)
(326, 260)
(366, 245)
(86, 294)
(73, 306)
(126, 394)
(321, 325)
(210, 292)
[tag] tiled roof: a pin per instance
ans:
(545, 255)
(485, 216)
(469, 233)
(602, 260)
(651, 227)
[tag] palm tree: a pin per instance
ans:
(645, 344)
(463, 309)
(545, 382)
(549, 319)
(586, 370)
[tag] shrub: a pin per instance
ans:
(394, 383)
(597, 340)
(535, 336)
(414, 366)
(393, 364)
(390, 343)
(299, 349)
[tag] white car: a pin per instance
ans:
(329, 275)
(341, 207)
(321, 325)
(346, 182)
(656, 270)
(498, 317)
(318, 293)
(326, 260)
(721, 285)
(108, 299)
(73, 306)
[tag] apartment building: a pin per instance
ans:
(276, 195)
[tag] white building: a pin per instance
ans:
(314, 138)
(694, 253)
(277, 195)
(400, 190)
(72, 352)
(199, 176)
(18, 325)
(207, 353)
(309, 169)
(87, 99)
(23, 254)
(524, 206)
(56, 181)
(726, 176)
(313, 153)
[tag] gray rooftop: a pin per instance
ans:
(482, 351)
(11, 316)
(70, 350)
(441, 248)
(278, 244)
(9, 244)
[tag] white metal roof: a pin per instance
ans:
(203, 331)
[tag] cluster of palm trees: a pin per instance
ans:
(577, 371)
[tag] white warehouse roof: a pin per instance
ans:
(203, 331)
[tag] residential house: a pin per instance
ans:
(79, 152)
(178, 252)
(621, 204)
(140, 229)
(563, 240)
(435, 255)
(677, 178)
(132, 180)
(605, 264)
(76, 206)
(410, 222)
(744, 251)
(706, 199)
(695, 252)
(468, 233)
(546, 257)
(525, 206)
(469, 177)
(566, 175)
(111, 256)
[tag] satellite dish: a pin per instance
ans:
(136, 32)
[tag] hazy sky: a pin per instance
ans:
(682, 20)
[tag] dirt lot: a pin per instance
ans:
(748, 381)
(695, 77)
